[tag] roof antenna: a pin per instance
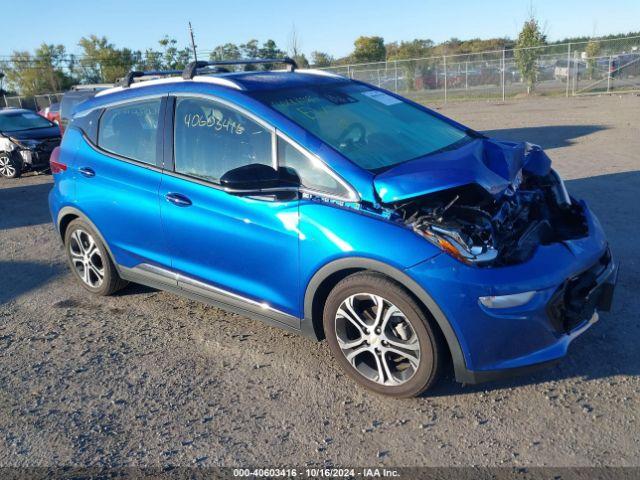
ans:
(193, 43)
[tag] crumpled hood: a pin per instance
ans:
(492, 164)
(34, 133)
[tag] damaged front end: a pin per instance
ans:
(500, 222)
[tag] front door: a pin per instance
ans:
(240, 249)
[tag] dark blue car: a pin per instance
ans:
(26, 142)
(332, 208)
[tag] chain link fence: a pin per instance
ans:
(596, 66)
(37, 102)
(591, 67)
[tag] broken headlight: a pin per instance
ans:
(28, 144)
(458, 245)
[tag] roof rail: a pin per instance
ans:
(189, 72)
(127, 80)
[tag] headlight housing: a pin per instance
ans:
(452, 243)
(30, 144)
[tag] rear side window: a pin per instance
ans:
(131, 130)
(310, 171)
(211, 139)
(70, 100)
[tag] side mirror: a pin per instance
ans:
(254, 179)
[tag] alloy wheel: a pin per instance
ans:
(6, 168)
(86, 258)
(377, 339)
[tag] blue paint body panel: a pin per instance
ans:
(270, 251)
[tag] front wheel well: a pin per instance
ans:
(321, 294)
(323, 290)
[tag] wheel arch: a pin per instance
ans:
(329, 275)
(68, 214)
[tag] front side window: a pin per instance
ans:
(371, 128)
(131, 130)
(211, 139)
(309, 171)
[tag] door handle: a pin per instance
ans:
(178, 199)
(87, 172)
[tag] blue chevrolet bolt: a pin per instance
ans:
(335, 209)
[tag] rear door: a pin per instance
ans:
(238, 250)
(118, 175)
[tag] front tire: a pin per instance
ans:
(381, 337)
(89, 260)
(10, 166)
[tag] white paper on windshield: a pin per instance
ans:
(381, 97)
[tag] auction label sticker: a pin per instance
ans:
(381, 97)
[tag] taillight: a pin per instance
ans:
(54, 162)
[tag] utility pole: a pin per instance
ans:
(193, 43)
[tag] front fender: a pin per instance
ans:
(312, 327)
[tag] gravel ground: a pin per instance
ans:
(147, 378)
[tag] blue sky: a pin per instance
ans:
(326, 25)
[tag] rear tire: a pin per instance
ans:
(10, 166)
(90, 261)
(381, 337)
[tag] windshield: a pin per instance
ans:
(16, 121)
(370, 127)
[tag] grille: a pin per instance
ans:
(577, 298)
(48, 144)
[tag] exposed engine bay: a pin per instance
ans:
(480, 228)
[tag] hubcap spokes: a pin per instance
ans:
(6, 168)
(377, 339)
(86, 258)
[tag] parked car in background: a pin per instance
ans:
(334, 209)
(564, 68)
(52, 113)
(26, 142)
(625, 65)
(76, 95)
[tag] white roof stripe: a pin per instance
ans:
(224, 82)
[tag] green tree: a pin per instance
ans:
(270, 50)
(593, 51)
(414, 49)
(228, 51)
(40, 72)
(103, 62)
(407, 51)
(174, 58)
(151, 60)
(526, 55)
(250, 50)
(369, 49)
(321, 59)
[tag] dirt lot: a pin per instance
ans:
(148, 378)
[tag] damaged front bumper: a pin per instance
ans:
(33, 157)
(572, 280)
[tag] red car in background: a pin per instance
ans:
(52, 113)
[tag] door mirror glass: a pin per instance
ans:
(252, 178)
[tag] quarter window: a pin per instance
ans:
(211, 139)
(310, 171)
(131, 130)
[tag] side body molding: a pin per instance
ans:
(360, 263)
(163, 279)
